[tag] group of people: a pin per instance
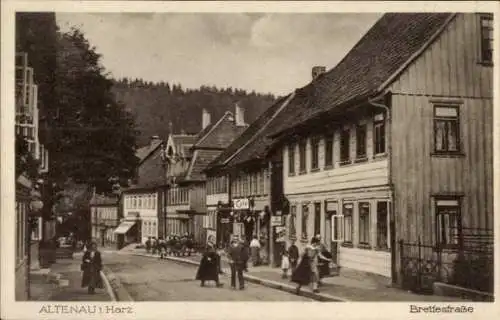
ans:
(173, 245)
(210, 266)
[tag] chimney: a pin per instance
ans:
(317, 71)
(239, 115)
(154, 139)
(205, 119)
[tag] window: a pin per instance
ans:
(135, 202)
(364, 223)
(314, 153)
(486, 39)
(348, 230)
(446, 129)
(329, 150)
(448, 222)
(293, 221)
(317, 218)
(302, 156)
(262, 182)
(382, 223)
(305, 218)
(361, 141)
(345, 137)
(379, 134)
(291, 159)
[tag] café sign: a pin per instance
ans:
(241, 204)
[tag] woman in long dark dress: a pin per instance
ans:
(91, 267)
(209, 267)
(302, 274)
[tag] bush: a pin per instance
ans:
(474, 272)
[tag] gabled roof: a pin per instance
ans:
(201, 159)
(393, 42)
(253, 133)
(144, 152)
(221, 134)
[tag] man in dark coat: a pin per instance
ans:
(238, 257)
(91, 267)
(293, 255)
(209, 266)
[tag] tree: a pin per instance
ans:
(94, 136)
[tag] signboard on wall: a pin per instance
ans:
(211, 236)
(276, 221)
(241, 204)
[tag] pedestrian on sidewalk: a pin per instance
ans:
(323, 264)
(293, 255)
(307, 271)
(255, 251)
(237, 260)
(91, 267)
(209, 266)
(148, 245)
(285, 264)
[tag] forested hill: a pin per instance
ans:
(156, 104)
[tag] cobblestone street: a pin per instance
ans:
(147, 279)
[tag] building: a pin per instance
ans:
(104, 219)
(395, 143)
(142, 202)
(186, 201)
(239, 184)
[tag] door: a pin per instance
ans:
(392, 235)
(337, 234)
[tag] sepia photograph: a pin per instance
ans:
(260, 156)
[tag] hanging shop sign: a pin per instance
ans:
(241, 204)
(211, 236)
(280, 234)
(276, 221)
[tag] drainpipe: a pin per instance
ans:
(389, 159)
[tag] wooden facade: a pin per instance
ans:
(449, 73)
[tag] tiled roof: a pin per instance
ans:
(98, 199)
(239, 143)
(394, 41)
(201, 159)
(144, 152)
(221, 134)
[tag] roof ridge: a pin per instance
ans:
(213, 127)
(285, 103)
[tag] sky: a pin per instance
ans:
(264, 52)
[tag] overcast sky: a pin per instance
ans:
(262, 52)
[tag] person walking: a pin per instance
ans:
(307, 270)
(293, 255)
(237, 260)
(148, 245)
(285, 264)
(324, 260)
(209, 266)
(255, 251)
(91, 267)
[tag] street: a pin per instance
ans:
(147, 279)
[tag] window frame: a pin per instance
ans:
(363, 155)
(379, 141)
(304, 218)
(364, 242)
(303, 156)
(446, 119)
(387, 226)
(291, 159)
(348, 236)
(439, 233)
(343, 144)
(329, 145)
(293, 223)
(315, 142)
(482, 58)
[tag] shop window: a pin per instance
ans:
(382, 225)
(448, 222)
(364, 223)
(446, 129)
(305, 219)
(348, 225)
(329, 150)
(293, 221)
(345, 148)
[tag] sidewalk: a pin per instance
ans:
(350, 285)
(63, 283)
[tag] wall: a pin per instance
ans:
(198, 198)
(447, 72)
(151, 170)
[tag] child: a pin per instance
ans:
(285, 264)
